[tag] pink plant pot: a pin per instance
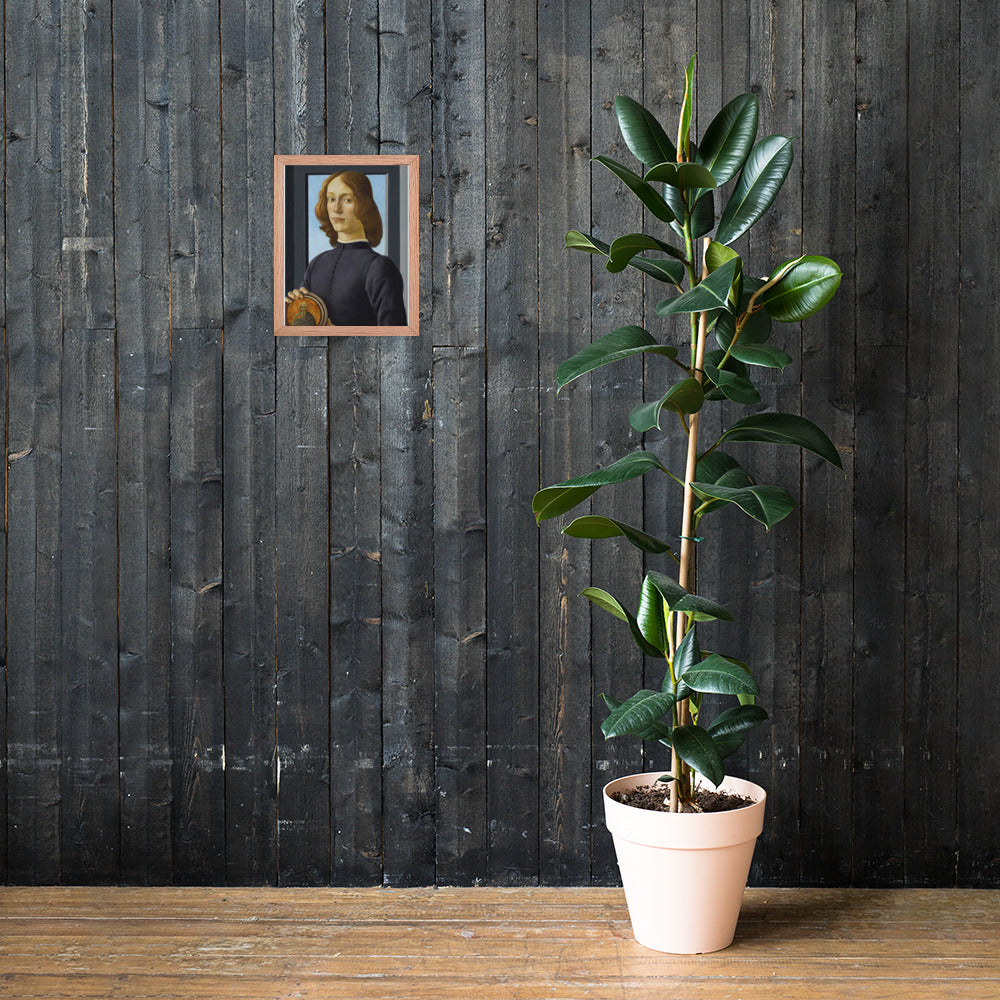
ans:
(684, 873)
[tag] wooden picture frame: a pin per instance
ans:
(299, 241)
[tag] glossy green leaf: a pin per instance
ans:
(688, 654)
(732, 386)
(593, 526)
(764, 355)
(803, 290)
(668, 271)
(647, 195)
(718, 675)
(623, 249)
(678, 599)
(784, 428)
(575, 240)
(684, 397)
(756, 330)
(712, 467)
(608, 603)
(760, 180)
(651, 617)
(728, 745)
(625, 342)
(684, 132)
(685, 176)
(712, 293)
(555, 500)
(729, 138)
(718, 254)
(703, 216)
(642, 133)
(737, 720)
(641, 715)
(767, 504)
(695, 747)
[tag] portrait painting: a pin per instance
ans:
(346, 246)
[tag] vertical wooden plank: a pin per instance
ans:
(880, 477)
(355, 491)
(302, 482)
(827, 498)
(249, 630)
(565, 442)
(32, 135)
(407, 483)
(86, 210)
(3, 534)
(616, 300)
(458, 320)
(195, 183)
(197, 721)
(771, 587)
(979, 456)
(88, 629)
(512, 440)
(142, 290)
(932, 598)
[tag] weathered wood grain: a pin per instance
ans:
(932, 373)
(142, 336)
(34, 342)
(88, 626)
(352, 72)
(512, 198)
(249, 405)
(458, 320)
(978, 703)
(616, 300)
(827, 499)
(407, 483)
(197, 729)
(881, 319)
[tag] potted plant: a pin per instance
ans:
(703, 856)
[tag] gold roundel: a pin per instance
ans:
(308, 310)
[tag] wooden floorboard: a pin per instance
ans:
(238, 944)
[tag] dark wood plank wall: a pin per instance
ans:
(279, 613)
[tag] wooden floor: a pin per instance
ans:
(224, 944)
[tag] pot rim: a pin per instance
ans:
(653, 775)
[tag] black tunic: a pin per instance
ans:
(360, 287)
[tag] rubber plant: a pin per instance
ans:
(726, 317)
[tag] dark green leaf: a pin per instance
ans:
(727, 745)
(555, 500)
(678, 599)
(703, 216)
(764, 356)
(767, 504)
(624, 248)
(576, 240)
(803, 290)
(647, 195)
(606, 527)
(695, 747)
(714, 466)
(729, 138)
(684, 397)
(737, 720)
(717, 675)
(640, 716)
(651, 617)
(734, 387)
(760, 180)
(756, 330)
(684, 136)
(712, 293)
(685, 176)
(642, 133)
(784, 428)
(605, 601)
(668, 271)
(687, 655)
(625, 342)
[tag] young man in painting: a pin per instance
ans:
(359, 286)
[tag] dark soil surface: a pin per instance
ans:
(657, 798)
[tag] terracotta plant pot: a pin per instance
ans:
(684, 873)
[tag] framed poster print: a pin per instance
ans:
(346, 246)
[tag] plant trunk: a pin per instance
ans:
(680, 787)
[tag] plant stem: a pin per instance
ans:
(686, 573)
